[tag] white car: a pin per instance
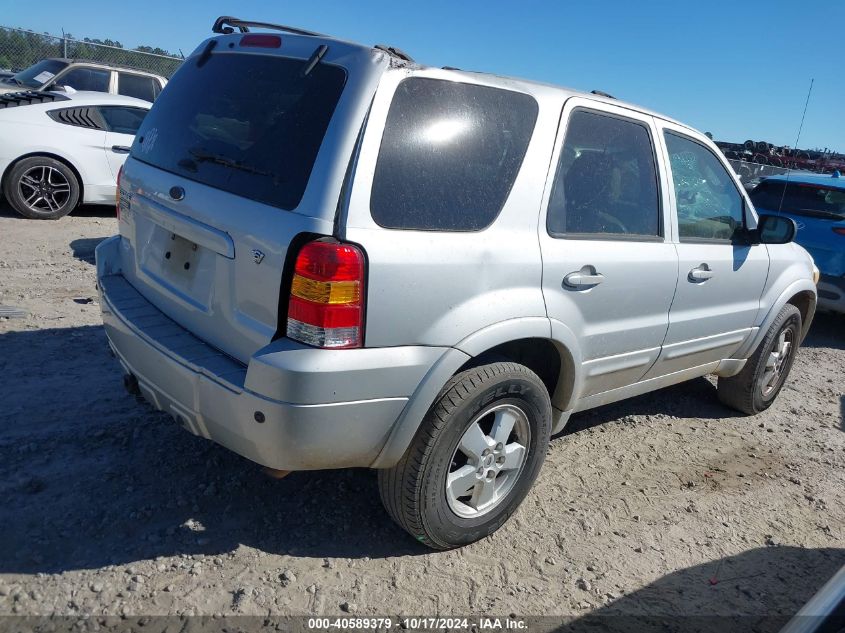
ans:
(59, 150)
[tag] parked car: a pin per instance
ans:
(59, 150)
(91, 76)
(375, 265)
(817, 204)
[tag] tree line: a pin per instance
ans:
(21, 49)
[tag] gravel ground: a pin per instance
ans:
(665, 504)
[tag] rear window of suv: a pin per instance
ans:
(449, 155)
(800, 198)
(247, 124)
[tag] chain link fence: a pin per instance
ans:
(20, 49)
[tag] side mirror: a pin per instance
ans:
(776, 229)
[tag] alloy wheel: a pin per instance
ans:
(44, 189)
(777, 361)
(488, 460)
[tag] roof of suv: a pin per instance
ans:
(830, 180)
(573, 92)
(400, 59)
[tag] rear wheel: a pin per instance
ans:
(42, 188)
(473, 459)
(755, 388)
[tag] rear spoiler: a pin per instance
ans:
(226, 25)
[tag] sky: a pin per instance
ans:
(740, 70)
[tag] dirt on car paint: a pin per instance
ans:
(667, 504)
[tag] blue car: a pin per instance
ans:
(817, 204)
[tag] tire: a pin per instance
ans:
(42, 188)
(485, 398)
(753, 390)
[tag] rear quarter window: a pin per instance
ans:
(449, 155)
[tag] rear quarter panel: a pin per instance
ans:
(438, 288)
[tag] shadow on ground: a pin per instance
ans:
(83, 248)
(827, 330)
(692, 399)
(701, 598)
(89, 477)
(697, 398)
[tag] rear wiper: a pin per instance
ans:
(315, 58)
(202, 156)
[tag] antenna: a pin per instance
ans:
(797, 138)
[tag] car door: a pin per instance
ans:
(609, 267)
(721, 276)
(122, 123)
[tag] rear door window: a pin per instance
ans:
(247, 124)
(95, 79)
(449, 155)
(606, 181)
(136, 86)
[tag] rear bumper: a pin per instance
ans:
(831, 291)
(293, 407)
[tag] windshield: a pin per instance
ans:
(801, 198)
(38, 74)
(247, 124)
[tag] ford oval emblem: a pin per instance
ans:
(177, 193)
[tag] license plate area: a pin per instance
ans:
(180, 256)
(178, 266)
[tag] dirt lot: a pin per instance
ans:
(666, 504)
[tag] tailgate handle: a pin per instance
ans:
(193, 230)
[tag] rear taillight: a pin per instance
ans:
(326, 306)
(117, 193)
(839, 229)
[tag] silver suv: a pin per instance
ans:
(331, 256)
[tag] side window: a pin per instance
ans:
(708, 202)
(449, 155)
(606, 179)
(136, 86)
(94, 79)
(123, 120)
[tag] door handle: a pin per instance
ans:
(700, 273)
(120, 149)
(584, 278)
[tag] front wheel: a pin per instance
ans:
(755, 388)
(474, 457)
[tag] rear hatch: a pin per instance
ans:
(242, 156)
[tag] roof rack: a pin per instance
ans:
(226, 24)
(396, 52)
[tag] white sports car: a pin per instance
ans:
(58, 150)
